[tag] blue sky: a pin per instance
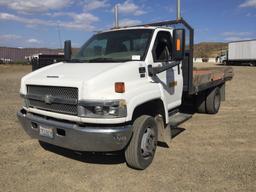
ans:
(33, 23)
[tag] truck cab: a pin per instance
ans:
(122, 91)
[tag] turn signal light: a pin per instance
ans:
(119, 87)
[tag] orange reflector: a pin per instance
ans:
(119, 87)
(178, 45)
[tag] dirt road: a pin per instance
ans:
(210, 153)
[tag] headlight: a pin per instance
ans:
(102, 109)
(25, 101)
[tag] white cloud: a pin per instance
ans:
(33, 41)
(128, 7)
(9, 37)
(237, 36)
(34, 6)
(248, 3)
(129, 22)
(83, 21)
(96, 4)
(12, 17)
(19, 41)
(84, 18)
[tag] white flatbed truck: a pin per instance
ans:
(124, 91)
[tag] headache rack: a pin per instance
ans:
(187, 65)
(195, 79)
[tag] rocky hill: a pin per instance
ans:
(209, 49)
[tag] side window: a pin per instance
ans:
(162, 47)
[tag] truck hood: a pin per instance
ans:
(90, 78)
(73, 71)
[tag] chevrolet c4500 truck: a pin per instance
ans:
(123, 91)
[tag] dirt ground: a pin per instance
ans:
(210, 153)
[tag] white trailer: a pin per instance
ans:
(241, 52)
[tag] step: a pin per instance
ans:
(179, 118)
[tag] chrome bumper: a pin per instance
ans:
(80, 138)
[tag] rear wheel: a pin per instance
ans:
(213, 101)
(200, 103)
(141, 150)
(252, 64)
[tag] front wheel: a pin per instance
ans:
(141, 150)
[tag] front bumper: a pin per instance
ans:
(100, 138)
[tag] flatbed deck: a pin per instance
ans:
(204, 78)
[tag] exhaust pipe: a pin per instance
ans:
(178, 10)
(116, 16)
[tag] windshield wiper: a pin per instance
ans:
(78, 60)
(104, 59)
(101, 59)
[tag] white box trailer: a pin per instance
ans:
(240, 52)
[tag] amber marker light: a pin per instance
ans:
(178, 45)
(119, 87)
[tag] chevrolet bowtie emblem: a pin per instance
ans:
(48, 99)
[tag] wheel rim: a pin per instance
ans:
(148, 143)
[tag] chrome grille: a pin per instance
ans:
(63, 99)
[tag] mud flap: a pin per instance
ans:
(164, 132)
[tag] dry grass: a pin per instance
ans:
(213, 153)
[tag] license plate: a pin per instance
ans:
(46, 132)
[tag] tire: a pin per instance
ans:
(140, 152)
(200, 103)
(252, 64)
(44, 145)
(213, 101)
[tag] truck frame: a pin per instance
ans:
(127, 106)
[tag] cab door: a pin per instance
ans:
(171, 81)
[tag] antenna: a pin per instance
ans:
(116, 16)
(178, 10)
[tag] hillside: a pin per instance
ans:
(209, 49)
(20, 54)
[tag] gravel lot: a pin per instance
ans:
(210, 153)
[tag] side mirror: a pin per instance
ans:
(178, 51)
(67, 50)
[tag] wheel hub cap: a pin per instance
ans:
(148, 143)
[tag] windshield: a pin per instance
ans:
(116, 46)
